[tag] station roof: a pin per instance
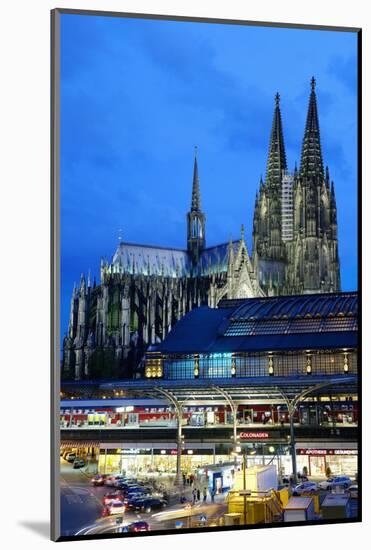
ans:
(103, 403)
(317, 321)
(189, 391)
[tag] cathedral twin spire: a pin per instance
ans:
(311, 156)
(277, 155)
(295, 224)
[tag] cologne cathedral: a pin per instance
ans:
(144, 290)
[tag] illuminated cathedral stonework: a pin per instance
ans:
(146, 289)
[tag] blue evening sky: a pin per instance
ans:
(138, 95)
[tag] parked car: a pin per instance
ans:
(70, 457)
(123, 481)
(353, 491)
(306, 488)
(136, 491)
(146, 504)
(338, 481)
(78, 463)
(130, 488)
(116, 507)
(112, 497)
(110, 480)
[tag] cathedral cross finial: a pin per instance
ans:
(196, 151)
(242, 231)
(277, 98)
(313, 83)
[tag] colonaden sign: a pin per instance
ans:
(254, 435)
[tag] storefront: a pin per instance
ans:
(323, 462)
(155, 460)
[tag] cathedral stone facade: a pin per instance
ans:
(295, 243)
(144, 290)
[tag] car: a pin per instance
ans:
(308, 487)
(137, 526)
(112, 497)
(70, 457)
(129, 488)
(116, 507)
(132, 500)
(353, 491)
(110, 480)
(147, 504)
(98, 480)
(338, 481)
(123, 481)
(135, 491)
(78, 463)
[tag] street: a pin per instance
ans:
(81, 508)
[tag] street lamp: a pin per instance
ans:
(237, 451)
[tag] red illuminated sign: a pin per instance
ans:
(254, 435)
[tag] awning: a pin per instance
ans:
(73, 444)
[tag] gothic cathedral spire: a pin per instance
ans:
(277, 155)
(196, 197)
(311, 155)
(314, 251)
(195, 219)
(269, 252)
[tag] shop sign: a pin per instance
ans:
(344, 452)
(312, 452)
(254, 435)
(129, 451)
(326, 452)
(189, 452)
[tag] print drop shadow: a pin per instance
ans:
(41, 528)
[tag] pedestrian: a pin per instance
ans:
(212, 494)
(184, 480)
(194, 496)
(198, 495)
(191, 479)
(205, 494)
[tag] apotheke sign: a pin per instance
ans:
(326, 452)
